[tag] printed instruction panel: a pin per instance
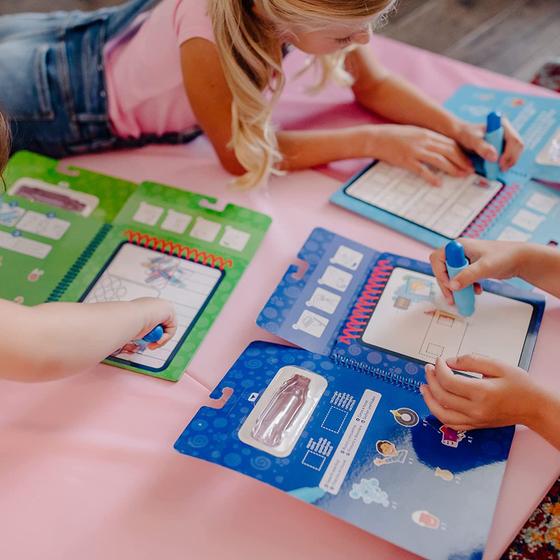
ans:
(448, 209)
(136, 272)
(413, 319)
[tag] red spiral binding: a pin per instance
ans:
(366, 302)
(178, 249)
(485, 219)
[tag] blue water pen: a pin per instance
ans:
(495, 137)
(455, 260)
(154, 335)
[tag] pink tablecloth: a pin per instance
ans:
(87, 469)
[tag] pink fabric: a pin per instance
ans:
(87, 468)
(144, 82)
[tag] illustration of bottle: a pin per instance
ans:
(281, 412)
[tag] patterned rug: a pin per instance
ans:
(540, 537)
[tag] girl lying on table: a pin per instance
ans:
(150, 71)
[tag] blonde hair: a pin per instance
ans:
(250, 49)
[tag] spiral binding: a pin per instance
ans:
(172, 247)
(484, 220)
(75, 269)
(391, 377)
(366, 302)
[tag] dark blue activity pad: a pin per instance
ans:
(339, 422)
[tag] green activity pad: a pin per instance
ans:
(82, 236)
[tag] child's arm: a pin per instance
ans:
(393, 98)
(411, 147)
(54, 340)
(537, 264)
(505, 396)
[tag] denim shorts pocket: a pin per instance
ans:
(25, 94)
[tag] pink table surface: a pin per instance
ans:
(87, 468)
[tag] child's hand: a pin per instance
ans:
(156, 312)
(471, 137)
(505, 396)
(489, 259)
(419, 150)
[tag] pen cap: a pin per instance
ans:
(154, 335)
(455, 255)
(493, 121)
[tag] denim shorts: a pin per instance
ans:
(53, 80)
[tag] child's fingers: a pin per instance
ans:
(437, 260)
(457, 384)
(478, 145)
(444, 415)
(444, 397)
(468, 276)
(439, 161)
(453, 152)
(477, 364)
(169, 330)
(425, 173)
(513, 146)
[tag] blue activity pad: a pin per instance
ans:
(516, 208)
(338, 421)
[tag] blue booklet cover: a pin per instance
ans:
(516, 207)
(339, 422)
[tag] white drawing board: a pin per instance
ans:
(135, 272)
(413, 319)
(448, 209)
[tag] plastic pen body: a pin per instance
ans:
(495, 137)
(455, 262)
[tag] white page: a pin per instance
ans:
(136, 272)
(448, 209)
(413, 319)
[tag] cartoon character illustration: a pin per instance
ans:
(405, 417)
(390, 454)
(164, 270)
(451, 437)
(446, 474)
(35, 274)
(413, 290)
(426, 519)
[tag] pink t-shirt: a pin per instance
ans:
(145, 87)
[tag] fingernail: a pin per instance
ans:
(454, 285)
(429, 368)
(451, 362)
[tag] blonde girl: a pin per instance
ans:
(150, 71)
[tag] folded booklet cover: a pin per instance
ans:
(82, 236)
(339, 422)
(515, 207)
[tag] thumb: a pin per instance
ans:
(476, 364)
(467, 277)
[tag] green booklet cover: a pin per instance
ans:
(82, 236)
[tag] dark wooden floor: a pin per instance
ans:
(512, 37)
